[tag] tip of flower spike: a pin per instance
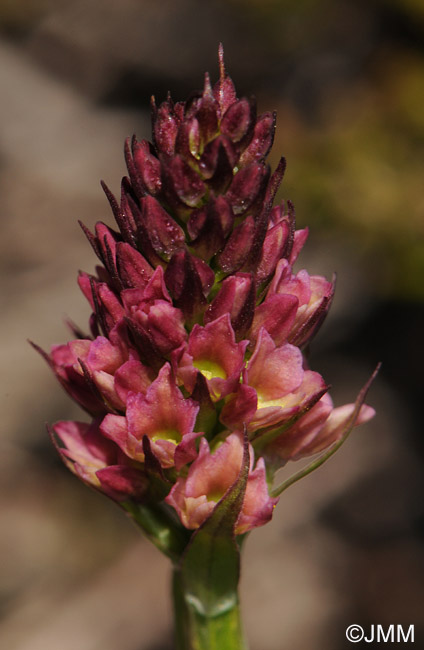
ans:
(224, 90)
(221, 61)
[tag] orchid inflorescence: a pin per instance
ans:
(194, 371)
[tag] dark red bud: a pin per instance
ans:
(107, 246)
(165, 128)
(133, 268)
(185, 182)
(144, 344)
(210, 226)
(217, 163)
(262, 139)
(238, 120)
(110, 306)
(205, 273)
(142, 240)
(185, 285)
(147, 165)
(245, 187)
(206, 114)
(92, 239)
(273, 249)
(136, 180)
(188, 138)
(166, 236)
(236, 297)
(122, 216)
(224, 90)
(238, 246)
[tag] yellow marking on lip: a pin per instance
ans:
(210, 369)
(265, 403)
(170, 435)
(215, 496)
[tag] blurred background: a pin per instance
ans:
(347, 80)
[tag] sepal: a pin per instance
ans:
(343, 432)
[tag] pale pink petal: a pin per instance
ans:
(213, 350)
(303, 431)
(121, 482)
(106, 385)
(276, 412)
(300, 237)
(335, 425)
(276, 314)
(274, 371)
(240, 408)
(258, 506)
(165, 416)
(132, 376)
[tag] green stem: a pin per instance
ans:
(308, 469)
(196, 631)
(165, 533)
(321, 459)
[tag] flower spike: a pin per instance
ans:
(194, 376)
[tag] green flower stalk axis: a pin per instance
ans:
(193, 373)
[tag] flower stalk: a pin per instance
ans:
(193, 373)
(195, 630)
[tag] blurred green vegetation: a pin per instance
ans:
(351, 125)
(360, 170)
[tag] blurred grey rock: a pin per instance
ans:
(133, 48)
(55, 146)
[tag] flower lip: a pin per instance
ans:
(210, 369)
(213, 351)
(163, 415)
(169, 435)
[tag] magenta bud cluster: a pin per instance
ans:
(199, 322)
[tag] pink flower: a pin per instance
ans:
(209, 477)
(86, 369)
(164, 416)
(275, 387)
(314, 294)
(152, 313)
(213, 351)
(98, 461)
(316, 430)
(236, 298)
